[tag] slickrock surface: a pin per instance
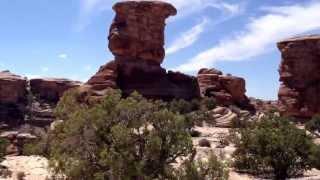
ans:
(299, 94)
(136, 39)
(226, 89)
(34, 167)
(12, 98)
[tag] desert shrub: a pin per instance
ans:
(182, 106)
(3, 146)
(40, 147)
(131, 138)
(208, 103)
(314, 124)
(212, 169)
(274, 145)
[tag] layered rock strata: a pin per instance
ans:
(136, 39)
(32, 102)
(299, 94)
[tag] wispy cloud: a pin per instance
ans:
(2, 65)
(63, 56)
(90, 8)
(259, 35)
(187, 7)
(187, 38)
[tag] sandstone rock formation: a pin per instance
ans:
(136, 39)
(32, 102)
(226, 89)
(137, 32)
(13, 99)
(299, 94)
(51, 89)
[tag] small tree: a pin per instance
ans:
(275, 145)
(131, 138)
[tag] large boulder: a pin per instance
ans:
(13, 98)
(300, 76)
(226, 89)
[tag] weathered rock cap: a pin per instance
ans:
(155, 6)
(307, 38)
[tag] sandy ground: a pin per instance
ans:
(35, 167)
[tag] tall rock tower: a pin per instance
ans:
(136, 39)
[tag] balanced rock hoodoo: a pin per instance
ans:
(136, 39)
(299, 94)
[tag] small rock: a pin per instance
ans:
(204, 143)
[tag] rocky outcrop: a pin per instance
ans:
(136, 39)
(13, 98)
(226, 89)
(16, 141)
(32, 102)
(51, 89)
(300, 76)
(43, 98)
(264, 105)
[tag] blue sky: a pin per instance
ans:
(68, 38)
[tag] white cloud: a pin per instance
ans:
(187, 7)
(187, 38)
(260, 35)
(63, 56)
(89, 8)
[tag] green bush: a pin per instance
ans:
(131, 138)
(314, 124)
(212, 169)
(274, 145)
(208, 103)
(3, 146)
(41, 147)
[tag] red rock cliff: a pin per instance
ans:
(299, 94)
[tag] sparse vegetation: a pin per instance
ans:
(212, 169)
(130, 138)
(275, 146)
(3, 145)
